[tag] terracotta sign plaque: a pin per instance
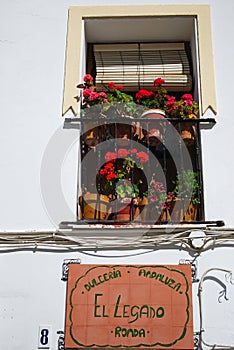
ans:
(125, 306)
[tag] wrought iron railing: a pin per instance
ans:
(173, 163)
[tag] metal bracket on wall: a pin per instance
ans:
(65, 267)
(196, 339)
(72, 123)
(60, 340)
(193, 263)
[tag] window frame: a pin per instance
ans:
(75, 35)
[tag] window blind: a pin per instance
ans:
(137, 65)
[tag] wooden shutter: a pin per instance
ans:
(136, 66)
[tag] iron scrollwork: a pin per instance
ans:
(65, 267)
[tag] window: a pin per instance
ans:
(144, 159)
(174, 22)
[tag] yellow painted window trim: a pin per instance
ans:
(74, 41)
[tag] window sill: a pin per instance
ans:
(80, 227)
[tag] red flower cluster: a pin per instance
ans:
(142, 94)
(184, 108)
(88, 78)
(142, 157)
(112, 86)
(93, 96)
(120, 165)
(157, 99)
(170, 103)
(188, 99)
(108, 171)
(110, 156)
(158, 82)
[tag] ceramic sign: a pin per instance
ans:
(110, 306)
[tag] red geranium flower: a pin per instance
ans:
(109, 165)
(142, 156)
(87, 93)
(110, 156)
(144, 94)
(102, 94)
(111, 85)
(170, 100)
(94, 96)
(158, 82)
(88, 78)
(187, 97)
(119, 87)
(123, 153)
(111, 176)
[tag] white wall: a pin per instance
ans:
(32, 69)
(38, 158)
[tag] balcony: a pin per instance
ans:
(150, 167)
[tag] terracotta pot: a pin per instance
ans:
(123, 210)
(94, 206)
(187, 132)
(183, 210)
(149, 213)
(92, 135)
(154, 131)
(122, 132)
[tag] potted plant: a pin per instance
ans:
(122, 179)
(185, 200)
(156, 107)
(157, 99)
(91, 106)
(113, 100)
(160, 104)
(156, 203)
(112, 103)
(94, 206)
(186, 108)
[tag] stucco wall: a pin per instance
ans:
(32, 141)
(33, 56)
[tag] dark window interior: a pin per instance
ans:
(165, 187)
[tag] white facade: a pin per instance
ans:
(38, 165)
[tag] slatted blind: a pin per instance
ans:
(136, 66)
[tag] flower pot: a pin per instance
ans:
(187, 131)
(122, 132)
(124, 210)
(94, 206)
(183, 210)
(92, 134)
(149, 213)
(152, 130)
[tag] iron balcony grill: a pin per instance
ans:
(169, 155)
